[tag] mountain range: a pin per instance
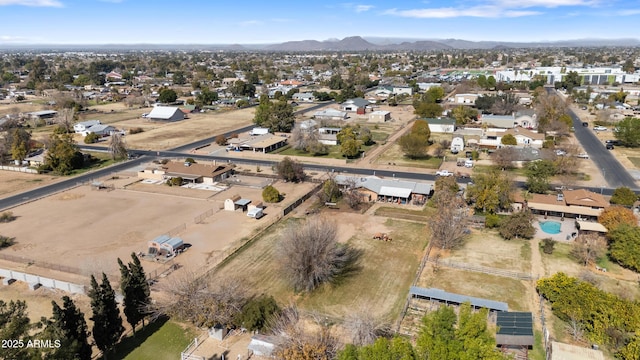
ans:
(352, 43)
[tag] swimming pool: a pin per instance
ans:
(550, 226)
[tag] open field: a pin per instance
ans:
(92, 228)
(387, 268)
(394, 155)
(12, 182)
(161, 340)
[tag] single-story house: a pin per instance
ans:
(330, 114)
(441, 125)
(190, 172)
(43, 115)
(380, 116)
(100, 130)
(498, 121)
(583, 197)
(465, 99)
(37, 158)
(304, 97)
(383, 92)
(81, 127)
(387, 90)
(113, 76)
(524, 138)
(166, 113)
(262, 143)
(389, 190)
(357, 105)
(328, 139)
(582, 204)
(527, 118)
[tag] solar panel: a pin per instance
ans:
(515, 323)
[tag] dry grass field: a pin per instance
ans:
(12, 182)
(387, 268)
(89, 229)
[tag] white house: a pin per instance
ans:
(444, 125)
(465, 99)
(304, 97)
(81, 127)
(330, 114)
(380, 116)
(457, 144)
(358, 105)
(166, 113)
(524, 138)
(100, 130)
(498, 121)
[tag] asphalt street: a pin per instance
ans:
(613, 172)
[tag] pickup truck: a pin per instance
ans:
(444, 173)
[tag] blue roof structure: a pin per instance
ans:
(438, 294)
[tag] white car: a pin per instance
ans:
(583, 156)
(600, 128)
(561, 152)
(444, 173)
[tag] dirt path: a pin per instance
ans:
(538, 271)
(375, 153)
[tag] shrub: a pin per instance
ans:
(190, 160)
(135, 130)
(176, 181)
(624, 196)
(6, 241)
(91, 138)
(517, 225)
(548, 245)
(492, 221)
(270, 194)
(6, 217)
(257, 313)
(221, 140)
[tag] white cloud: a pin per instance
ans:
(33, 3)
(357, 7)
(629, 12)
(250, 23)
(476, 11)
(492, 9)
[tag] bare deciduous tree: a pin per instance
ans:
(364, 327)
(588, 248)
(351, 195)
(504, 157)
(576, 329)
(303, 342)
(449, 223)
(310, 254)
(298, 139)
(117, 148)
(66, 118)
(202, 301)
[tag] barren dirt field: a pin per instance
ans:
(88, 229)
(12, 182)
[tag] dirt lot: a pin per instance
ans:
(12, 182)
(92, 228)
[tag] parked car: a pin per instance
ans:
(444, 173)
(609, 146)
(613, 142)
(560, 152)
(585, 124)
(255, 213)
(583, 156)
(600, 128)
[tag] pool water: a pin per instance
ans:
(550, 227)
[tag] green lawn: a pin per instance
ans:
(102, 160)
(161, 340)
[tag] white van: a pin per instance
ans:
(256, 213)
(468, 163)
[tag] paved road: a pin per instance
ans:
(613, 172)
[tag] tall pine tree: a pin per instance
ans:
(136, 291)
(69, 326)
(107, 323)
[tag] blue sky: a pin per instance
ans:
(249, 21)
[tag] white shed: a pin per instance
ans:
(457, 144)
(230, 203)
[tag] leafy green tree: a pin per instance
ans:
(206, 97)
(241, 88)
(346, 133)
(538, 174)
(491, 192)
(350, 148)
(628, 132)
(14, 325)
(290, 170)
(136, 291)
(464, 114)
(491, 82)
(482, 82)
(330, 191)
(277, 116)
(63, 155)
(167, 96)
(68, 325)
(107, 323)
(428, 110)
(20, 143)
(179, 78)
(631, 350)
(509, 139)
(270, 194)
(91, 138)
(257, 313)
(485, 102)
(383, 348)
(414, 146)
(571, 80)
(623, 196)
(517, 225)
(624, 246)
(629, 66)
